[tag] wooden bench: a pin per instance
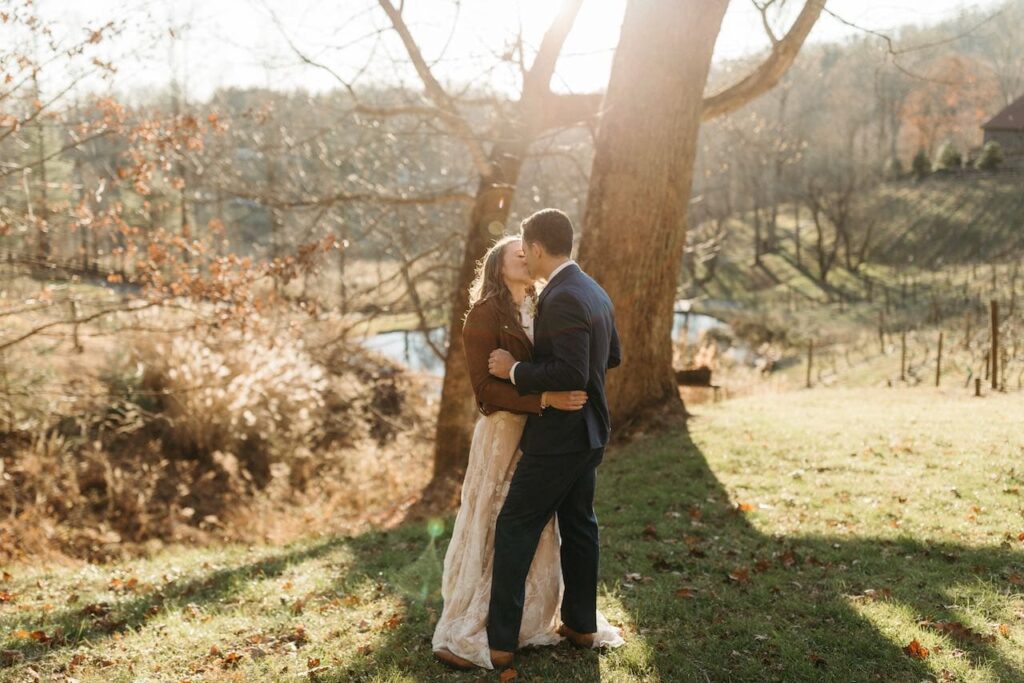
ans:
(698, 377)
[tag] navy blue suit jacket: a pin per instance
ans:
(575, 342)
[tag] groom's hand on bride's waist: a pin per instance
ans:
(500, 363)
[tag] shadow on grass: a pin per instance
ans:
(756, 607)
(95, 622)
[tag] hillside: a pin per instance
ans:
(944, 220)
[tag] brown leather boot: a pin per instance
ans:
(501, 658)
(577, 639)
(446, 656)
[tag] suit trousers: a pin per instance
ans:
(544, 485)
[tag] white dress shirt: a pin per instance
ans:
(556, 271)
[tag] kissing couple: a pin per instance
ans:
(522, 564)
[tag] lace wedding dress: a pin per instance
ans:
(466, 583)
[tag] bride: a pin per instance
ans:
(502, 302)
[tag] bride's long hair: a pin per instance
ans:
(489, 280)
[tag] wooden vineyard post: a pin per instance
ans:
(977, 386)
(881, 331)
(938, 362)
(810, 360)
(903, 356)
(994, 351)
(76, 344)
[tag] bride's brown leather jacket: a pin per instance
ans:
(489, 326)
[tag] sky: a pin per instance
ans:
(221, 43)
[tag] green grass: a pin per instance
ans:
(816, 534)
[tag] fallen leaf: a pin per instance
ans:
(916, 650)
(740, 575)
(507, 675)
(1004, 630)
(232, 658)
(685, 593)
(956, 630)
(96, 609)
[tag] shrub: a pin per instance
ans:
(949, 158)
(991, 156)
(256, 399)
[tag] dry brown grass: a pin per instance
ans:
(146, 438)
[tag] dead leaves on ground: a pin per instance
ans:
(260, 645)
(916, 650)
(955, 630)
(963, 634)
(38, 636)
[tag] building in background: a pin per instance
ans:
(1007, 129)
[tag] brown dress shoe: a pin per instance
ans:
(446, 656)
(501, 658)
(577, 639)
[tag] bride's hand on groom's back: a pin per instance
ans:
(565, 400)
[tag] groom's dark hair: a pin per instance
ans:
(552, 229)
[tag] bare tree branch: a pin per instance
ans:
(763, 7)
(437, 94)
(89, 318)
(537, 82)
(566, 111)
(448, 195)
(765, 76)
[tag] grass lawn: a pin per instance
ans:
(806, 536)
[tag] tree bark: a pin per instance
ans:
(538, 109)
(457, 412)
(640, 184)
(641, 180)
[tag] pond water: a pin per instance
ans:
(410, 348)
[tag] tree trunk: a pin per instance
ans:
(486, 223)
(634, 227)
(44, 247)
(758, 239)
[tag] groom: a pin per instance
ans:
(575, 342)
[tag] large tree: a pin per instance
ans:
(498, 161)
(634, 227)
